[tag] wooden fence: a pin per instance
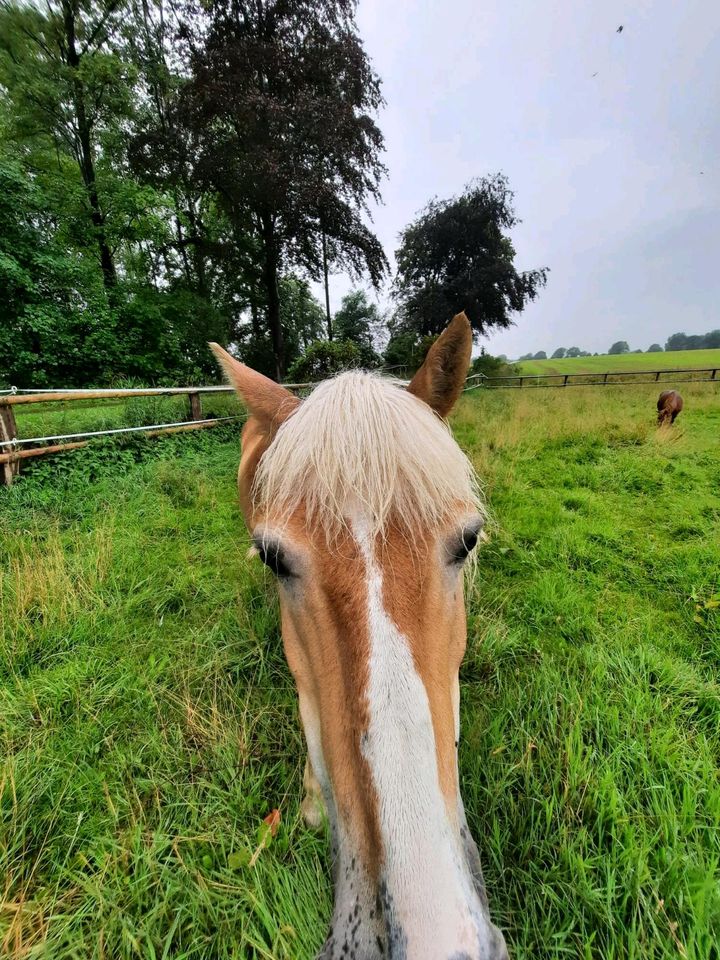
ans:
(11, 446)
(620, 378)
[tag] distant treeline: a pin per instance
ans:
(678, 341)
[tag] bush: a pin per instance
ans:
(325, 358)
(490, 366)
(407, 349)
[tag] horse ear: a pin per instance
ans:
(271, 403)
(440, 380)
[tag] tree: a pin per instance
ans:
(302, 320)
(358, 320)
(654, 348)
(574, 352)
(712, 340)
(526, 356)
(281, 100)
(457, 255)
(488, 365)
(559, 354)
(540, 355)
(407, 350)
(620, 346)
(67, 83)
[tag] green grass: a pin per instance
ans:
(673, 360)
(148, 721)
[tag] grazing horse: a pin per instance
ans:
(669, 405)
(365, 509)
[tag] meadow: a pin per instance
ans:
(148, 721)
(672, 360)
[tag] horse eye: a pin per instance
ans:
(464, 545)
(272, 556)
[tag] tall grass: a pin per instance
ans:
(148, 721)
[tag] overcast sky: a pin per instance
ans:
(616, 176)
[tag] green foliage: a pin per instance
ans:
(540, 355)
(123, 249)
(706, 341)
(357, 320)
(655, 348)
(619, 347)
(457, 255)
(559, 353)
(407, 349)
(489, 365)
(281, 104)
(325, 358)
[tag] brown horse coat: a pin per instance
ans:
(669, 405)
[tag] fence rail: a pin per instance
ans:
(597, 379)
(11, 446)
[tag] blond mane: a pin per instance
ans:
(361, 441)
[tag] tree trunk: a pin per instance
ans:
(85, 157)
(327, 287)
(270, 278)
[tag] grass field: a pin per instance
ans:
(148, 720)
(674, 360)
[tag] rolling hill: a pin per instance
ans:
(675, 360)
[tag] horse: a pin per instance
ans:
(669, 405)
(365, 509)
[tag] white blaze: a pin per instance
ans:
(432, 897)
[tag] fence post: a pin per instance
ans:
(605, 378)
(195, 406)
(713, 374)
(8, 431)
(566, 379)
(657, 376)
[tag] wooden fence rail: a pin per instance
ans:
(603, 379)
(11, 453)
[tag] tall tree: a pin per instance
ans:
(620, 346)
(67, 83)
(282, 99)
(457, 255)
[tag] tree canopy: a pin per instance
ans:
(620, 346)
(281, 102)
(169, 170)
(458, 255)
(358, 319)
(704, 341)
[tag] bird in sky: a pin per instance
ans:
(620, 29)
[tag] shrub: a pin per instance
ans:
(325, 358)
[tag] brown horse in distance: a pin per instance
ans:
(669, 405)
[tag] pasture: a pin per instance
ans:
(148, 721)
(672, 360)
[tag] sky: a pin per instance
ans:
(611, 143)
